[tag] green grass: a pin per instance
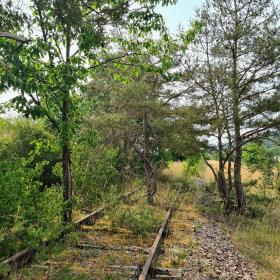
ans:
(259, 241)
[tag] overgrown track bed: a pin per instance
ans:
(202, 249)
(105, 251)
(26, 256)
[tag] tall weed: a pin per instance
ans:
(140, 219)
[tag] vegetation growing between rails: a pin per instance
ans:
(110, 232)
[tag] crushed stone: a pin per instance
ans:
(214, 256)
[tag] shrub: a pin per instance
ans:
(25, 212)
(94, 174)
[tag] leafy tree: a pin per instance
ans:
(231, 76)
(73, 38)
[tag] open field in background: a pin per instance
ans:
(245, 173)
(176, 169)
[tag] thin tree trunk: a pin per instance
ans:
(240, 197)
(147, 167)
(66, 165)
(152, 185)
(229, 175)
(66, 155)
(151, 176)
(220, 180)
(229, 161)
(221, 183)
(64, 130)
(67, 183)
(152, 188)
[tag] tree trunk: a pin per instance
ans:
(150, 172)
(152, 185)
(223, 189)
(66, 164)
(221, 182)
(146, 134)
(67, 183)
(229, 175)
(229, 159)
(240, 196)
(220, 179)
(66, 155)
(152, 188)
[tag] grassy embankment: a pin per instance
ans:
(258, 239)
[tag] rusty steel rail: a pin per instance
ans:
(148, 268)
(25, 256)
(92, 216)
(19, 259)
(155, 249)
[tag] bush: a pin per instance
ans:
(25, 212)
(94, 174)
(193, 166)
(21, 137)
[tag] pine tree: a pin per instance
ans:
(233, 72)
(139, 113)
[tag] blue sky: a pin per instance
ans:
(179, 13)
(182, 12)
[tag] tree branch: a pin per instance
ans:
(14, 37)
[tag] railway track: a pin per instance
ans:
(105, 253)
(27, 255)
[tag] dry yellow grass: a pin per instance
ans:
(176, 169)
(245, 173)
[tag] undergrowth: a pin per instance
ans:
(140, 219)
(258, 240)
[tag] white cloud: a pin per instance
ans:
(7, 96)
